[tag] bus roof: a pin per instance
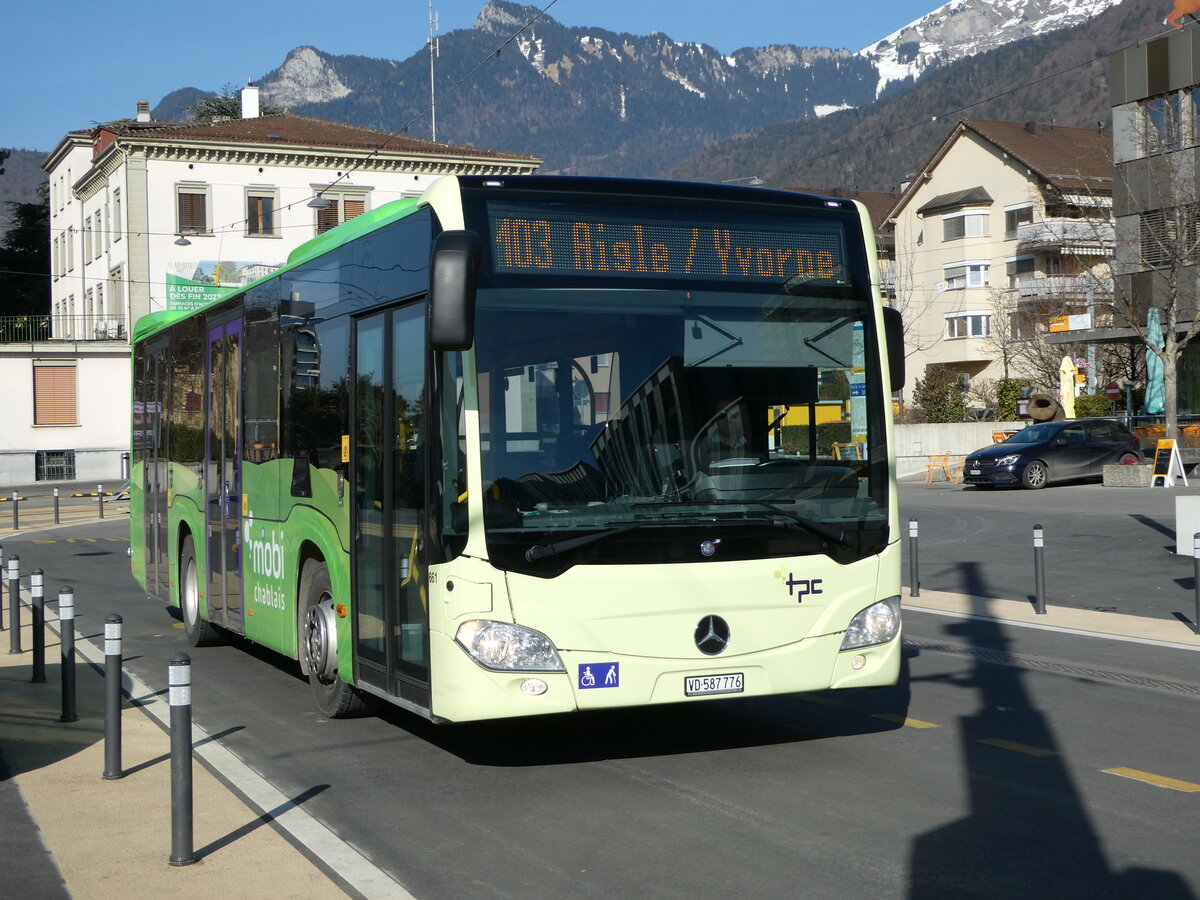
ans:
(322, 243)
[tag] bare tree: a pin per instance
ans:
(1004, 329)
(913, 303)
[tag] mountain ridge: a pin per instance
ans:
(594, 101)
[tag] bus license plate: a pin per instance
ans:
(702, 685)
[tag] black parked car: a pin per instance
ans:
(1053, 451)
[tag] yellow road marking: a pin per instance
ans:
(1019, 748)
(1162, 781)
(906, 721)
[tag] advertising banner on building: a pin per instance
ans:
(194, 285)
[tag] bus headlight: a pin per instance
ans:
(507, 647)
(877, 624)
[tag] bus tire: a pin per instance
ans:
(318, 646)
(199, 631)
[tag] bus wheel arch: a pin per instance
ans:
(200, 632)
(317, 649)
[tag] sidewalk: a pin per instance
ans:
(69, 833)
(1021, 612)
(112, 839)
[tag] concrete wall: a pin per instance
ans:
(916, 443)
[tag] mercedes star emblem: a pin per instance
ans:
(712, 635)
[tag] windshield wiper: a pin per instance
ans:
(821, 530)
(544, 551)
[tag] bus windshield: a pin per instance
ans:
(630, 425)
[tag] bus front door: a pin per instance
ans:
(149, 449)
(391, 621)
(223, 468)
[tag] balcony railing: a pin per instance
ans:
(1088, 236)
(1064, 286)
(43, 328)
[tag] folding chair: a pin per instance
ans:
(939, 462)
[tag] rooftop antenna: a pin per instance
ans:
(433, 52)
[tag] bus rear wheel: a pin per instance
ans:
(318, 647)
(199, 631)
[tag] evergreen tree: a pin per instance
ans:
(25, 258)
(226, 105)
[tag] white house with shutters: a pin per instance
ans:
(148, 216)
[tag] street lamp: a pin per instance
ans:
(181, 241)
(319, 202)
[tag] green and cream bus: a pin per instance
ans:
(537, 444)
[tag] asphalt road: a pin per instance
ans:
(1107, 549)
(988, 772)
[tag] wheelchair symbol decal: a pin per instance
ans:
(599, 675)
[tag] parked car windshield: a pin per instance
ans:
(1034, 434)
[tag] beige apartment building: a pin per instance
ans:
(1005, 234)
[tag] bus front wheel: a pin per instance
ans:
(199, 631)
(318, 646)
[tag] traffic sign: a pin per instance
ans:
(1114, 392)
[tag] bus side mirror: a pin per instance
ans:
(454, 273)
(893, 328)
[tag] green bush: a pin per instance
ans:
(795, 438)
(941, 395)
(1093, 405)
(1008, 392)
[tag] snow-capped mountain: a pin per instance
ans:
(963, 28)
(599, 102)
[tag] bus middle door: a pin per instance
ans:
(223, 468)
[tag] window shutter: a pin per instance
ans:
(192, 215)
(354, 208)
(328, 218)
(54, 395)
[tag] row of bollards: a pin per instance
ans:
(16, 500)
(1039, 570)
(1039, 573)
(178, 679)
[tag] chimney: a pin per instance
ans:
(143, 113)
(250, 101)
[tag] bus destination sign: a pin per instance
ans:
(529, 240)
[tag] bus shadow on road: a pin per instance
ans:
(1027, 830)
(666, 730)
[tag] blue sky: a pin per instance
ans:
(70, 63)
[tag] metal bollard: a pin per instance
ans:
(100, 498)
(37, 603)
(112, 698)
(56, 519)
(14, 604)
(179, 681)
(1039, 572)
(16, 515)
(66, 619)
(1196, 557)
(914, 587)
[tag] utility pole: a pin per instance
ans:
(433, 52)
(1091, 347)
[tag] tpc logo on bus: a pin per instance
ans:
(800, 587)
(599, 675)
